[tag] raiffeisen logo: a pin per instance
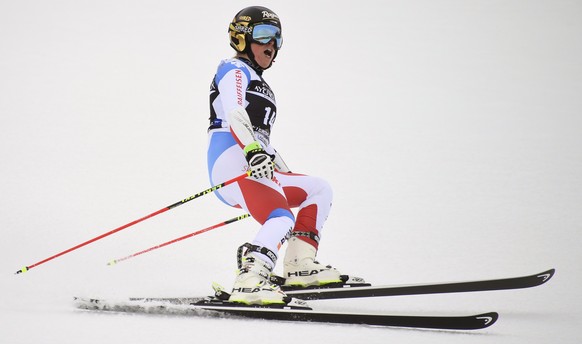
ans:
(269, 15)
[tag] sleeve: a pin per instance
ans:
(232, 79)
(241, 127)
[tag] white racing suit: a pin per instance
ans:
(238, 88)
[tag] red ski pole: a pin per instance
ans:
(115, 261)
(200, 194)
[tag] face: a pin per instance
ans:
(264, 53)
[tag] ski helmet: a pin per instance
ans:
(242, 29)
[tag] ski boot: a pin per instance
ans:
(301, 270)
(252, 285)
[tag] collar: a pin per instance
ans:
(256, 68)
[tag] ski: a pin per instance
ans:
(357, 290)
(472, 322)
(299, 312)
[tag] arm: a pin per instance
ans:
(232, 83)
(241, 128)
(260, 162)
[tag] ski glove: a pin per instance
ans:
(260, 163)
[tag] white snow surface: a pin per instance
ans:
(450, 130)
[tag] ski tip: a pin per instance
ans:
(487, 319)
(546, 275)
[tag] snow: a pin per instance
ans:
(450, 131)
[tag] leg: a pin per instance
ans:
(266, 202)
(313, 197)
(264, 199)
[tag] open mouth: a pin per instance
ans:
(269, 53)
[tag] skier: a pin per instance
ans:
(242, 114)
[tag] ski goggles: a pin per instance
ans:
(264, 33)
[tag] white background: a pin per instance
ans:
(451, 132)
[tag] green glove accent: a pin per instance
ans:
(252, 147)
